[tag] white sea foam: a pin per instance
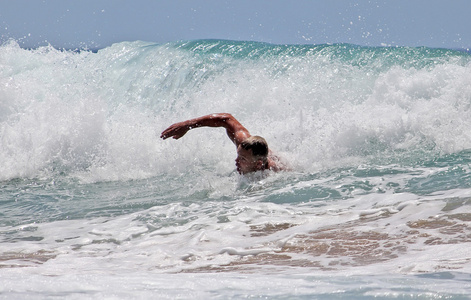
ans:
(92, 197)
(103, 112)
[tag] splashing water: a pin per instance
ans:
(378, 138)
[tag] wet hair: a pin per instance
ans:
(257, 144)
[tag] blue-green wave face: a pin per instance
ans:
(347, 53)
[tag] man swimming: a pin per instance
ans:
(253, 153)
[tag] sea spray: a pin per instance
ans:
(378, 138)
(320, 104)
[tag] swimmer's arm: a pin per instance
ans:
(236, 132)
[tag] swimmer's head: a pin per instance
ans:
(252, 155)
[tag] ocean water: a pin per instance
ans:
(93, 204)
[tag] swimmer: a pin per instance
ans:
(253, 153)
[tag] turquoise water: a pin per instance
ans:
(94, 204)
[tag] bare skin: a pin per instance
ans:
(246, 162)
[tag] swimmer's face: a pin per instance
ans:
(246, 162)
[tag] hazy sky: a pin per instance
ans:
(99, 23)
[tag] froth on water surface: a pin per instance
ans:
(378, 139)
(324, 106)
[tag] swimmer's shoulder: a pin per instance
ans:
(277, 163)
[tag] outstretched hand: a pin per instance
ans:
(176, 131)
